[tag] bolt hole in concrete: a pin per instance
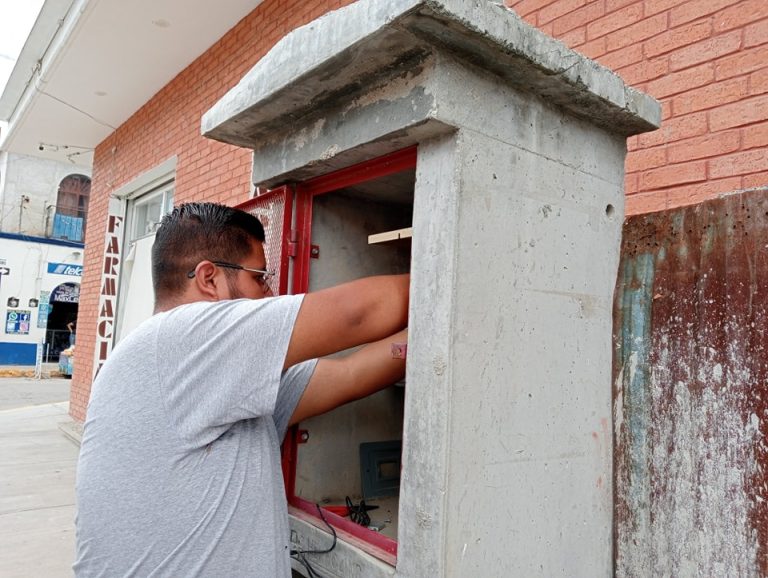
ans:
(609, 210)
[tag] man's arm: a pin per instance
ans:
(339, 381)
(348, 315)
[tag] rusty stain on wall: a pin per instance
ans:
(690, 387)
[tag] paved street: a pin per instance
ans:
(37, 476)
(24, 391)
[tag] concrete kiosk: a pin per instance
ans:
(516, 207)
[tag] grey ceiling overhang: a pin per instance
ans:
(330, 60)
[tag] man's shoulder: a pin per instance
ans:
(230, 309)
(225, 304)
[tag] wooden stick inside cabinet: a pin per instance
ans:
(390, 236)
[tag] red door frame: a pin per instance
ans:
(383, 547)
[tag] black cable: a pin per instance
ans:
(310, 572)
(299, 555)
(331, 528)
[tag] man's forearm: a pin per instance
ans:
(348, 315)
(341, 380)
(373, 367)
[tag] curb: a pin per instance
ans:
(73, 431)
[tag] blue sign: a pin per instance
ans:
(43, 310)
(65, 269)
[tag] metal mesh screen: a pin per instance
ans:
(270, 210)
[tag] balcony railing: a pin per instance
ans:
(69, 225)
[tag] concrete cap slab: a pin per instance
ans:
(335, 57)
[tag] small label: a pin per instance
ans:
(399, 350)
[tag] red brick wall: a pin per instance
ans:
(706, 61)
(168, 125)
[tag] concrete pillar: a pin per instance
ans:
(518, 207)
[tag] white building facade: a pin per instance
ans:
(39, 296)
(43, 211)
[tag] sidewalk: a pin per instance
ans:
(37, 479)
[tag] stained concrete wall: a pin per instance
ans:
(35, 178)
(690, 372)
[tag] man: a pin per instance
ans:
(179, 471)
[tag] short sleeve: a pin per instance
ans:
(222, 362)
(293, 383)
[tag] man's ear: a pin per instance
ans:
(207, 280)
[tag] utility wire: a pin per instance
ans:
(73, 107)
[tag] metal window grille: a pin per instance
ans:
(273, 210)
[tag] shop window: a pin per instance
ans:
(144, 213)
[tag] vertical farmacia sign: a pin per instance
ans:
(110, 274)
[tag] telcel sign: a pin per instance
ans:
(65, 269)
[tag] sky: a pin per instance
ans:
(16, 20)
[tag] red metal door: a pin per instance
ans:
(370, 541)
(274, 209)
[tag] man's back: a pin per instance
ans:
(179, 473)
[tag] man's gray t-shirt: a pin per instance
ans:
(179, 471)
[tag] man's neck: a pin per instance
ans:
(172, 302)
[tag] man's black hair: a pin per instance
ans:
(194, 232)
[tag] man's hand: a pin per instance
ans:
(348, 315)
(339, 381)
